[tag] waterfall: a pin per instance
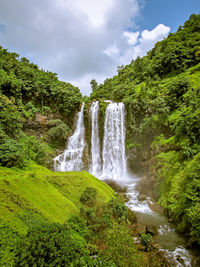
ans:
(95, 165)
(71, 158)
(114, 157)
(111, 163)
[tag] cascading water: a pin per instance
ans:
(114, 167)
(95, 166)
(114, 157)
(71, 158)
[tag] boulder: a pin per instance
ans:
(170, 220)
(151, 229)
(141, 229)
(142, 197)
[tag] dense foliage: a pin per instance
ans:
(171, 56)
(30, 98)
(100, 234)
(74, 219)
(161, 92)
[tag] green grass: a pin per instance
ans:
(54, 195)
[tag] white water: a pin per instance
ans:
(114, 167)
(172, 243)
(95, 165)
(71, 158)
(114, 157)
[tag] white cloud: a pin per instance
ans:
(84, 82)
(132, 37)
(78, 39)
(95, 10)
(149, 38)
(112, 51)
(157, 32)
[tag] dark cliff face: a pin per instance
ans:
(87, 149)
(88, 130)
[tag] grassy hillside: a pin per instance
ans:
(56, 196)
(64, 219)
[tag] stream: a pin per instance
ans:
(110, 163)
(171, 242)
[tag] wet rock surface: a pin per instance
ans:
(151, 229)
(142, 197)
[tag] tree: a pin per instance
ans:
(94, 85)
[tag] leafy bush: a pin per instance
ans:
(18, 153)
(30, 109)
(32, 149)
(146, 240)
(11, 152)
(11, 119)
(88, 196)
(121, 248)
(118, 209)
(8, 244)
(52, 244)
(78, 224)
(58, 131)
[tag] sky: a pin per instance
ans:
(82, 40)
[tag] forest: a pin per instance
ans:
(161, 94)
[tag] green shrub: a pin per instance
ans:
(78, 224)
(120, 247)
(11, 119)
(131, 216)
(30, 109)
(117, 207)
(52, 244)
(11, 152)
(32, 149)
(88, 196)
(58, 131)
(146, 240)
(8, 244)
(18, 153)
(54, 123)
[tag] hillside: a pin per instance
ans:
(71, 218)
(35, 111)
(56, 196)
(161, 92)
(67, 218)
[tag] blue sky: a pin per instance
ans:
(82, 40)
(169, 12)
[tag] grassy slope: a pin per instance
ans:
(54, 195)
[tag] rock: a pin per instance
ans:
(151, 229)
(170, 220)
(191, 242)
(178, 257)
(154, 207)
(141, 229)
(142, 197)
